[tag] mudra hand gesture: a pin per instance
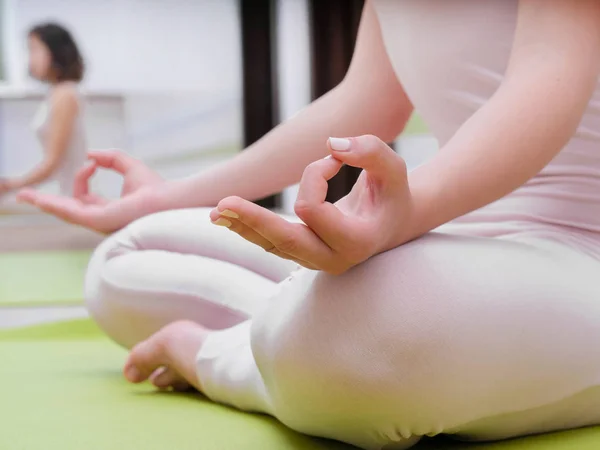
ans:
(333, 237)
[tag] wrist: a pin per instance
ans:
(171, 195)
(432, 208)
(155, 198)
(421, 213)
(168, 195)
(403, 226)
(14, 184)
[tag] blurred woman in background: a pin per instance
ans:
(54, 59)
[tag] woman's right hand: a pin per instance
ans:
(138, 195)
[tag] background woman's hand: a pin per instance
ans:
(5, 186)
(333, 237)
(92, 211)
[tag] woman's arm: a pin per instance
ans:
(369, 100)
(552, 72)
(63, 113)
(553, 69)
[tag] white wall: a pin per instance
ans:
(141, 45)
(179, 123)
(164, 80)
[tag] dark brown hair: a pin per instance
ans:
(67, 62)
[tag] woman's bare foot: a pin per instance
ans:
(168, 357)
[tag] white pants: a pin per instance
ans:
(477, 337)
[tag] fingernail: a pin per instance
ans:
(229, 213)
(222, 222)
(339, 144)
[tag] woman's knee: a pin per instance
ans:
(377, 302)
(101, 296)
(166, 267)
(328, 343)
(420, 328)
(117, 269)
(178, 231)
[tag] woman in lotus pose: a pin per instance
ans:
(461, 298)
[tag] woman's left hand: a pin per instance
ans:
(372, 218)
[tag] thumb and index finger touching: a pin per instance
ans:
(114, 160)
(366, 152)
(106, 159)
(369, 153)
(70, 209)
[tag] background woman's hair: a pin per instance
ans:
(67, 62)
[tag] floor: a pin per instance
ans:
(40, 281)
(36, 232)
(21, 317)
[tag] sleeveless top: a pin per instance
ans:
(451, 56)
(75, 154)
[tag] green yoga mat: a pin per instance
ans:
(415, 126)
(42, 278)
(61, 389)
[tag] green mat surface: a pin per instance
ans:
(61, 389)
(415, 126)
(42, 278)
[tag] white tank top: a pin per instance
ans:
(76, 153)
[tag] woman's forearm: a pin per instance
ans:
(370, 100)
(552, 73)
(279, 158)
(37, 175)
(507, 142)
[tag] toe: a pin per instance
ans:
(165, 378)
(160, 378)
(175, 346)
(184, 342)
(145, 358)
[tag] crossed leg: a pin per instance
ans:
(480, 338)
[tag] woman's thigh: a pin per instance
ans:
(177, 265)
(432, 336)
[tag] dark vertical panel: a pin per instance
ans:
(259, 73)
(334, 26)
